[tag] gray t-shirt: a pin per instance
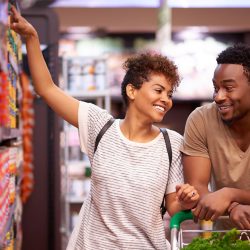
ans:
(128, 182)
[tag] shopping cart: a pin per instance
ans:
(176, 232)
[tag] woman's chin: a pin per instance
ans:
(158, 120)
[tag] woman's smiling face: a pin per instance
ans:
(154, 98)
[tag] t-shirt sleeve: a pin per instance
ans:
(195, 141)
(91, 119)
(176, 168)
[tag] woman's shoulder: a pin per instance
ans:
(174, 136)
(94, 113)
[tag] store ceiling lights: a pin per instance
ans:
(107, 3)
(152, 3)
(208, 3)
(81, 32)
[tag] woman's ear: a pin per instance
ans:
(131, 91)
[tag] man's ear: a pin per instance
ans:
(131, 91)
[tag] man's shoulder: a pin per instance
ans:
(206, 111)
(207, 108)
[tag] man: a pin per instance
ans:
(216, 142)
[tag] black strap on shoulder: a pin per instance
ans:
(169, 150)
(102, 132)
(168, 144)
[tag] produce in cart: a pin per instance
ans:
(220, 240)
(229, 241)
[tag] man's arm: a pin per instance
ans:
(239, 195)
(240, 216)
(197, 172)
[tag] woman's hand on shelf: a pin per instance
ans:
(21, 25)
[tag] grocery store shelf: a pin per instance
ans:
(75, 200)
(9, 133)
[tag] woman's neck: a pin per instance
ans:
(138, 131)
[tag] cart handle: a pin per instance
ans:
(179, 217)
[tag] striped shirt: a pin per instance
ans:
(128, 183)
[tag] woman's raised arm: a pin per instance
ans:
(63, 104)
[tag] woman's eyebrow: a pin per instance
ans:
(159, 85)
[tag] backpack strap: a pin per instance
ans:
(168, 144)
(169, 150)
(102, 132)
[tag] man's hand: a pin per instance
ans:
(240, 216)
(212, 205)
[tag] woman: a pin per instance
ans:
(130, 168)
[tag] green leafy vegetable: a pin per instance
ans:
(218, 241)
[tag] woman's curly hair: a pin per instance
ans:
(236, 54)
(139, 69)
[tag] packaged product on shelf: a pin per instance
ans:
(4, 100)
(80, 182)
(4, 191)
(74, 219)
(85, 73)
(74, 75)
(3, 29)
(88, 78)
(14, 61)
(87, 181)
(76, 168)
(12, 173)
(9, 160)
(27, 125)
(100, 74)
(75, 153)
(76, 189)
